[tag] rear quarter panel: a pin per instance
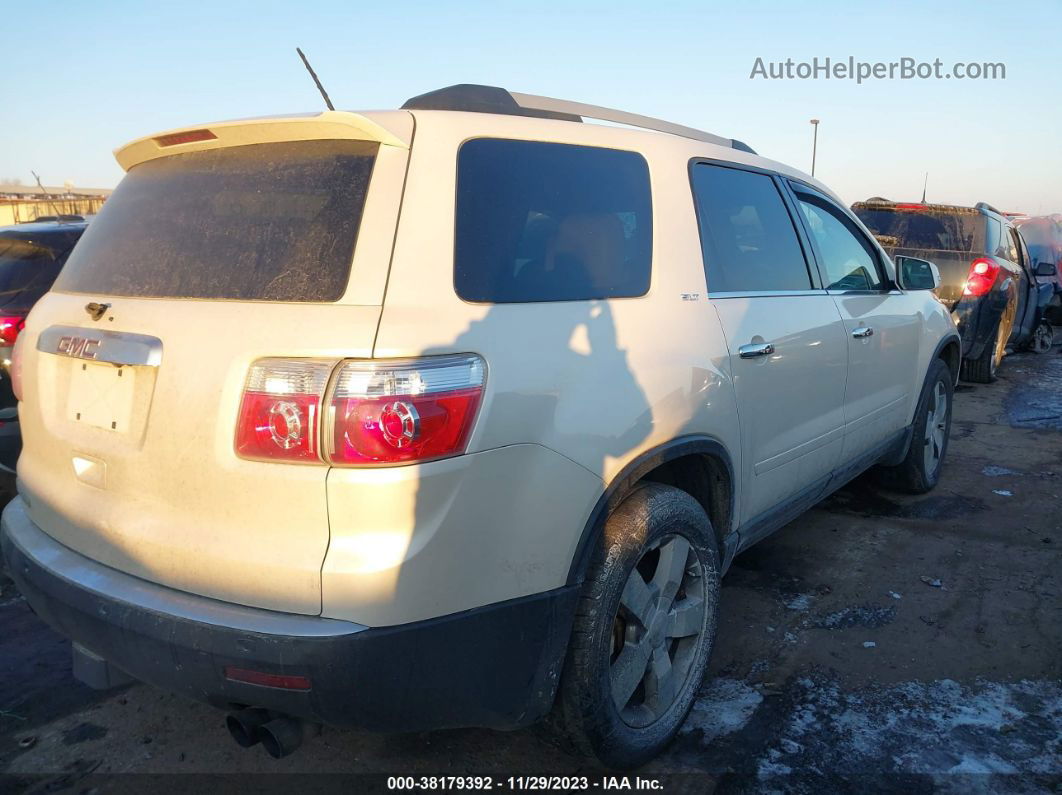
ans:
(595, 382)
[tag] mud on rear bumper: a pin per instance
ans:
(494, 667)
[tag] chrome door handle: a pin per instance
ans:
(755, 349)
(862, 332)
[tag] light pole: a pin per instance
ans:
(814, 144)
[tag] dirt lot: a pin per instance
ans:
(837, 668)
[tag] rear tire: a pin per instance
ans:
(643, 630)
(982, 370)
(920, 471)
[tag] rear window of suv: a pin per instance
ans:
(925, 229)
(263, 222)
(551, 222)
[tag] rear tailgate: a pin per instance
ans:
(206, 262)
(949, 236)
(954, 267)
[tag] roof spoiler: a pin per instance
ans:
(492, 99)
(271, 129)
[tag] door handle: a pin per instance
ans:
(755, 349)
(863, 332)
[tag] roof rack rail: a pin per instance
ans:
(987, 206)
(491, 99)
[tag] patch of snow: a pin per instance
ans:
(799, 602)
(857, 617)
(869, 644)
(1003, 492)
(998, 472)
(724, 707)
(941, 729)
(895, 595)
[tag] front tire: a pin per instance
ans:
(1042, 338)
(644, 628)
(920, 470)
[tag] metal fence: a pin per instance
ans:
(18, 211)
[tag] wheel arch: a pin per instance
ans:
(949, 350)
(698, 464)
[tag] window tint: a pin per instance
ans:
(551, 222)
(266, 222)
(747, 235)
(848, 260)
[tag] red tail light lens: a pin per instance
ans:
(982, 276)
(280, 417)
(10, 326)
(400, 411)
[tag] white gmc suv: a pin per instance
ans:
(453, 415)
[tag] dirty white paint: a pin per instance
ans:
(1003, 492)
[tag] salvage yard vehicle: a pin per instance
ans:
(987, 277)
(453, 415)
(31, 256)
(1043, 236)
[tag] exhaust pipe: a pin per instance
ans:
(281, 736)
(244, 725)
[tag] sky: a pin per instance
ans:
(80, 79)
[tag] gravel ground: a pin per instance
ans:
(878, 643)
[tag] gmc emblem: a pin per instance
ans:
(78, 347)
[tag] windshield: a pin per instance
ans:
(28, 266)
(264, 222)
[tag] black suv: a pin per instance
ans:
(31, 256)
(987, 279)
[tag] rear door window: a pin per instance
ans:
(747, 235)
(551, 222)
(263, 222)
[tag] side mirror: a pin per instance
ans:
(917, 274)
(1046, 269)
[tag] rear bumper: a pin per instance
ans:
(495, 667)
(976, 320)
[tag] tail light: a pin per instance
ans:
(280, 417)
(10, 326)
(390, 412)
(380, 412)
(982, 276)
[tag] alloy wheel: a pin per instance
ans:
(1043, 338)
(656, 631)
(936, 428)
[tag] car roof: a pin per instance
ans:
(467, 107)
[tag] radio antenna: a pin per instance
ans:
(58, 215)
(313, 74)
